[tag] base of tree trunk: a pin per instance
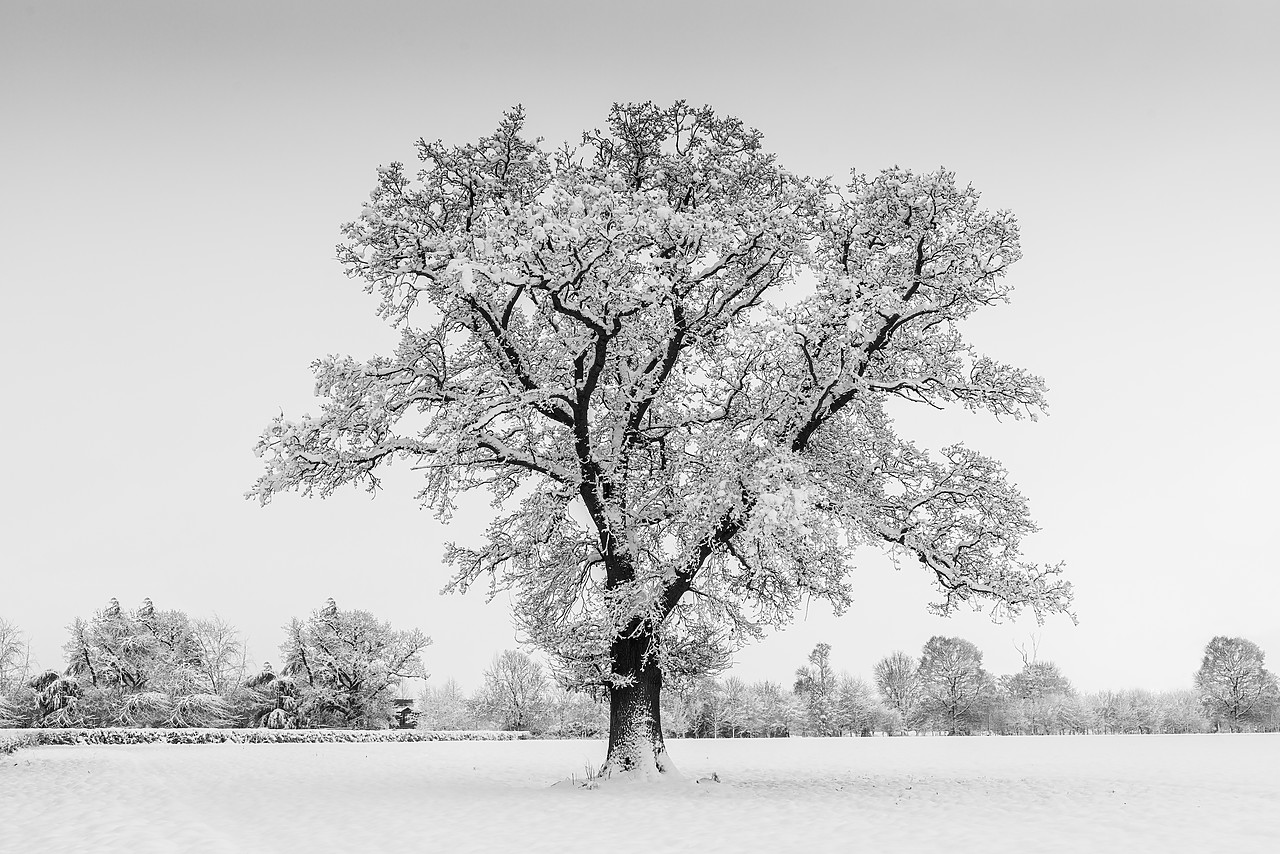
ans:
(642, 763)
(636, 747)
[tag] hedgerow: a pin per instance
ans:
(15, 739)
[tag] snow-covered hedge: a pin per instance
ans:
(13, 739)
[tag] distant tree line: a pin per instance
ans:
(339, 668)
(148, 667)
(945, 691)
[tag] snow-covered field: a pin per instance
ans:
(1078, 794)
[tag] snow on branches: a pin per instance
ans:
(342, 667)
(599, 327)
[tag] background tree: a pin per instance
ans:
(774, 710)
(1037, 694)
(730, 708)
(683, 455)
(140, 668)
(1126, 711)
(738, 707)
(57, 700)
(856, 709)
(709, 709)
(445, 707)
(1181, 712)
(1271, 722)
(815, 686)
(679, 713)
(576, 714)
(347, 665)
(899, 687)
(222, 658)
(1236, 689)
(514, 695)
(954, 687)
(274, 700)
(11, 712)
(1077, 715)
(15, 658)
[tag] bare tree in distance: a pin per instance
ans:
(223, 660)
(775, 709)
(954, 687)
(857, 711)
(816, 685)
(1038, 693)
(597, 335)
(445, 707)
(15, 657)
(515, 693)
(899, 686)
(575, 714)
(1236, 689)
(15, 670)
(738, 702)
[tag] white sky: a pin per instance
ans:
(174, 175)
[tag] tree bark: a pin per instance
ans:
(636, 747)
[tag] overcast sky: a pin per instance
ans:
(173, 176)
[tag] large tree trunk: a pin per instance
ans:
(636, 748)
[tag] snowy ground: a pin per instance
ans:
(990, 795)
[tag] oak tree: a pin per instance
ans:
(668, 358)
(1236, 689)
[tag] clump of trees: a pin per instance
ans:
(821, 702)
(139, 667)
(346, 666)
(446, 707)
(147, 667)
(1038, 699)
(516, 693)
